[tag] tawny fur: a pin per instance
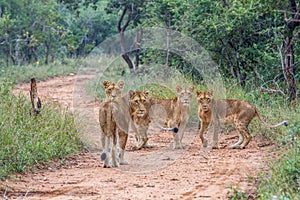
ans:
(110, 131)
(139, 106)
(213, 113)
(176, 112)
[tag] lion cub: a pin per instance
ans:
(139, 107)
(176, 113)
(213, 112)
(110, 131)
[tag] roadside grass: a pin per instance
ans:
(282, 180)
(19, 74)
(29, 142)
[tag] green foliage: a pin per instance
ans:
(283, 179)
(235, 194)
(19, 74)
(43, 31)
(27, 140)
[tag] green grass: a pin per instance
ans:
(283, 179)
(19, 74)
(29, 141)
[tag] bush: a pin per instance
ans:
(283, 179)
(27, 140)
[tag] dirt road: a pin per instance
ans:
(156, 173)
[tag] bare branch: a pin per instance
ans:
(121, 19)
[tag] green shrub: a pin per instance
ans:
(27, 140)
(283, 179)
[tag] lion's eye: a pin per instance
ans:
(136, 102)
(208, 99)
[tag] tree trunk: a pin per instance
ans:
(288, 61)
(168, 48)
(47, 54)
(288, 67)
(121, 30)
(124, 53)
(17, 51)
(139, 36)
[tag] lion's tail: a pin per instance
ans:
(285, 123)
(174, 129)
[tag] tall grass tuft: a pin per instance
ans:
(27, 140)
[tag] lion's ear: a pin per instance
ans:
(178, 88)
(210, 92)
(106, 83)
(198, 92)
(131, 93)
(191, 88)
(146, 92)
(121, 84)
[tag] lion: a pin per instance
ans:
(35, 99)
(110, 131)
(213, 112)
(139, 107)
(176, 114)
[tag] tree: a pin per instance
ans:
(130, 12)
(292, 22)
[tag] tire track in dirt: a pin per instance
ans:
(192, 173)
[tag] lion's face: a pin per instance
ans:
(204, 99)
(185, 95)
(113, 90)
(139, 103)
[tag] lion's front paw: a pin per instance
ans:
(205, 143)
(178, 146)
(147, 145)
(124, 162)
(141, 144)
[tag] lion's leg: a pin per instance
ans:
(123, 136)
(237, 145)
(142, 132)
(215, 128)
(241, 136)
(105, 154)
(114, 152)
(202, 130)
(105, 142)
(178, 136)
(247, 137)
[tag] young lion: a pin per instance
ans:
(108, 125)
(212, 112)
(176, 113)
(35, 100)
(139, 107)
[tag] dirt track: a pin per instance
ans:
(156, 173)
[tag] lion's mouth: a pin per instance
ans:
(205, 108)
(186, 103)
(140, 114)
